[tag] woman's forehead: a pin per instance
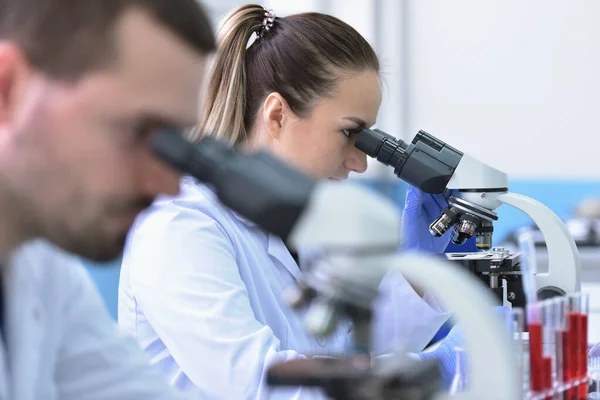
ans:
(357, 97)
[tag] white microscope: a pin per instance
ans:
(356, 246)
(433, 166)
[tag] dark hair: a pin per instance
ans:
(66, 38)
(301, 57)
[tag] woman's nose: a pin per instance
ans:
(356, 161)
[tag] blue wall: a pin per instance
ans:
(560, 196)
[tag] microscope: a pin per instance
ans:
(434, 167)
(356, 234)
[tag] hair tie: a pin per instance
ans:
(267, 23)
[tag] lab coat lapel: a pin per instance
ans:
(278, 250)
(25, 319)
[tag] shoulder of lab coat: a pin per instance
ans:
(185, 271)
(62, 341)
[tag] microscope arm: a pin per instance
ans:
(564, 268)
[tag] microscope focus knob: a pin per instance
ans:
(549, 292)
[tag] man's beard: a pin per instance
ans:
(96, 243)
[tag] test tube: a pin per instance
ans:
(553, 345)
(536, 368)
(563, 359)
(583, 346)
(549, 347)
(574, 307)
(518, 332)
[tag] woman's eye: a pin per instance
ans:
(350, 132)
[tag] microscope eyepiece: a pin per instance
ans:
(380, 145)
(427, 163)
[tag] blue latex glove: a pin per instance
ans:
(445, 353)
(469, 247)
(420, 210)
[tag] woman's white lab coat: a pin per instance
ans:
(201, 289)
(59, 341)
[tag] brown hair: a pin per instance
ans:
(301, 57)
(66, 38)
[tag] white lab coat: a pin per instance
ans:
(201, 289)
(61, 342)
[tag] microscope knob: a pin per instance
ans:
(298, 296)
(321, 317)
(549, 292)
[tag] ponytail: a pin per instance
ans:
(300, 56)
(226, 98)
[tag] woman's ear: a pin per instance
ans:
(275, 114)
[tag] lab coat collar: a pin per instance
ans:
(276, 248)
(25, 318)
(279, 251)
(244, 220)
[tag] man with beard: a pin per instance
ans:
(83, 84)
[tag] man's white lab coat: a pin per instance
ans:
(60, 341)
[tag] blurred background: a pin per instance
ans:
(513, 83)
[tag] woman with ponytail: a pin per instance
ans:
(201, 287)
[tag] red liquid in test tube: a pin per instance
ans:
(564, 346)
(574, 352)
(547, 363)
(583, 346)
(564, 336)
(583, 388)
(536, 357)
(542, 338)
